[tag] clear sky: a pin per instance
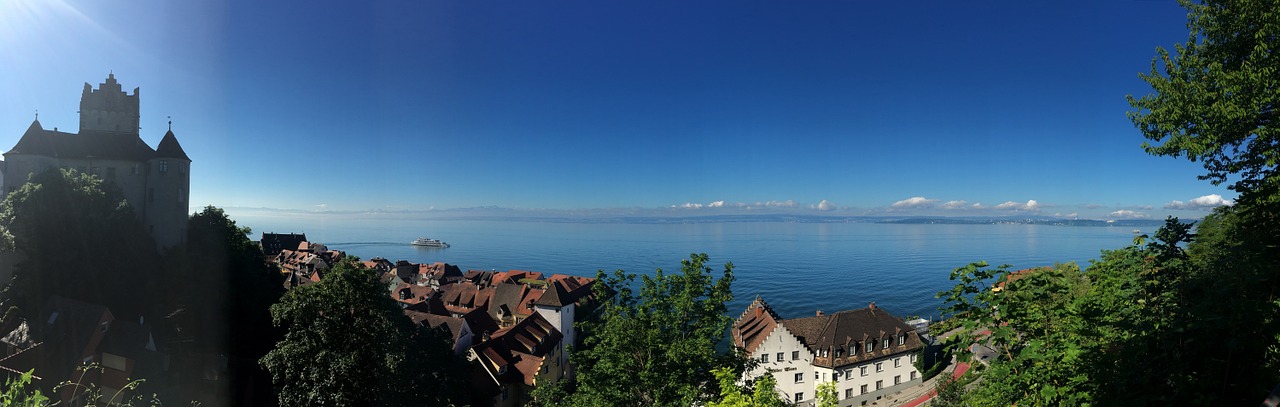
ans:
(853, 107)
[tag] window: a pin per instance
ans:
(913, 375)
(135, 169)
(897, 362)
(853, 349)
(816, 376)
(902, 339)
(164, 166)
(884, 345)
(913, 358)
(181, 195)
(779, 356)
(182, 168)
(879, 384)
(863, 370)
(799, 377)
(799, 396)
(897, 380)
(879, 366)
(104, 325)
(764, 358)
(869, 345)
(864, 389)
(848, 393)
(839, 352)
(795, 355)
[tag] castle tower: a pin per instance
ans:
(168, 192)
(109, 108)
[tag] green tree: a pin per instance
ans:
(77, 237)
(349, 344)
(657, 347)
(826, 395)
(762, 392)
(1216, 100)
(20, 392)
(221, 278)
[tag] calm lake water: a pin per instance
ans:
(798, 267)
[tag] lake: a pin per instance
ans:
(798, 268)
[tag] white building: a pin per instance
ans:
(867, 352)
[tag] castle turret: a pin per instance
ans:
(168, 190)
(109, 108)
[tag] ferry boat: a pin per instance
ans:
(427, 242)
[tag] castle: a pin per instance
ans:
(156, 182)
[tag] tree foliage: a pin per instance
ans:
(658, 346)
(762, 392)
(1217, 97)
(349, 344)
(228, 284)
(77, 237)
(1149, 323)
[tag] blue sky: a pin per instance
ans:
(847, 107)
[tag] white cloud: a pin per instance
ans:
(716, 204)
(954, 204)
(915, 202)
(825, 205)
(1205, 202)
(691, 205)
(978, 205)
(780, 204)
(1127, 214)
(1031, 205)
(322, 206)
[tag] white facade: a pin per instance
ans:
(790, 362)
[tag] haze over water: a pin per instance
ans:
(798, 267)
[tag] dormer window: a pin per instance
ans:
(839, 352)
(885, 345)
(870, 345)
(902, 339)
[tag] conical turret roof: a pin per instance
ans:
(169, 148)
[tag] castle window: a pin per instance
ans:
(164, 166)
(182, 168)
(181, 195)
(135, 169)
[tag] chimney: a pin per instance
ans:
(872, 306)
(819, 313)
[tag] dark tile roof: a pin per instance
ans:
(169, 148)
(845, 329)
(520, 349)
(129, 339)
(273, 243)
(513, 298)
(86, 144)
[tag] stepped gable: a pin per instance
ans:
(754, 325)
(87, 144)
(169, 148)
(515, 354)
(845, 329)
